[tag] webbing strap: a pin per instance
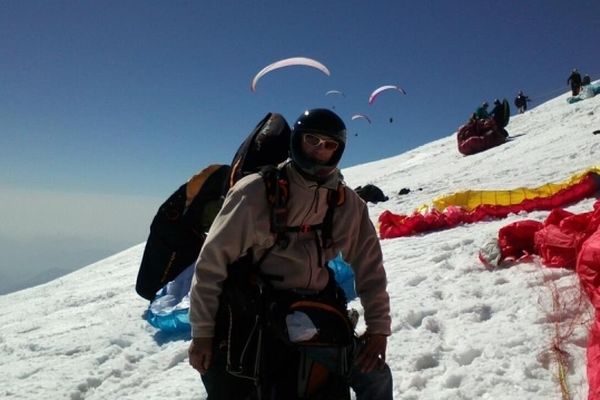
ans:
(277, 190)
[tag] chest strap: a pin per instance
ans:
(277, 189)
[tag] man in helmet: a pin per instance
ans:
(243, 226)
(482, 111)
(498, 112)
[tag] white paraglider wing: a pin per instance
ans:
(335, 92)
(377, 91)
(309, 62)
(357, 116)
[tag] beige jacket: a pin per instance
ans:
(244, 222)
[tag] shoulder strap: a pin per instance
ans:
(277, 191)
(335, 198)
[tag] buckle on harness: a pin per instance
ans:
(305, 228)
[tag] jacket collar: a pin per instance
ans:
(296, 177)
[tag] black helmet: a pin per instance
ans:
(485, 104)
(496, 101)
(322, 122)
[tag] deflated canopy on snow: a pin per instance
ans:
(563, 240)
(471, 199)
(309, 62)
(470, 207)
(358, 116)
(377, 91)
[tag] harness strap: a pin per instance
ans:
(332, 203)
(277, 190)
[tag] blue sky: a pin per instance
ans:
(130, 98)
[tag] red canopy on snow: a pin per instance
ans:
(570, 241)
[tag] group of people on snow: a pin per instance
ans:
(497, 113)
(575, 81)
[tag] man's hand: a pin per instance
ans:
(200, 354)
(371, 353)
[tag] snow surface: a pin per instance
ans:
(459, 331)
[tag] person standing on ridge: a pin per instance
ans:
(521, 102)
(244, 227)
(575, 82)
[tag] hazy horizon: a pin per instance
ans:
(45, 234)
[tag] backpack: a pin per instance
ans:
(179, 227)
(267, 144)
(371, 193)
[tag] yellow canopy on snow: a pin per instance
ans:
(471, 199)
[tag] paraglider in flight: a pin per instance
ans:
(334, 92)
(376, 92)
(309, 62)
(357, 116)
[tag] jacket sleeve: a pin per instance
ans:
(231, 233)
(366, 259)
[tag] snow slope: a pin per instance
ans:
(459, 331)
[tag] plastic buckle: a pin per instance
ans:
(305, 228)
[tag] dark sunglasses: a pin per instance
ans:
(316, 141)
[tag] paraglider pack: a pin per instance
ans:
(177, 232)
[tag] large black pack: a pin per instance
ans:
(179, 228)
(267, 144)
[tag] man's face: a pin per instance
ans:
(318, 148)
